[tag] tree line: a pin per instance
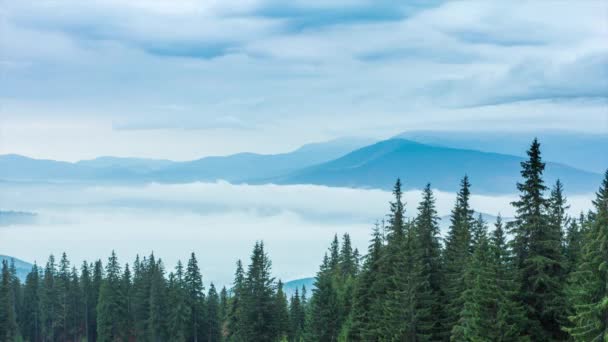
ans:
(542, 276)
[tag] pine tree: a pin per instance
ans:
(281, 311)
(8, 316)
(510, 316)
(456, 255)
(324, 318)
(126, 328)
(179, 311)
(297, 317)
(157, 320)
(537, 247)
(194, 299)
(235, 316)
(589, 283)
(62, 284)
(477, 318)
(258, 319)
(49, 301)
(427, 278)
(98, 274)
(30, 322)
(363, 325)
(110, 306)
(224, 309)
(214, 328)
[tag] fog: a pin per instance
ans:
(219, 221)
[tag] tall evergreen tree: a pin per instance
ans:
(427, 278)
(477, 318)
(213, 326)
(235, 316)
(589, 283)
(258, 318)
(158, 318)
(30, 322)
(537, 247)
(195, 299)
(364, 324)
(324, 319)
(179, 311)
(281, 311)
(110, 306)
(8, 316)
(510, 316)
(456, 256)
(49, 301)
(297, 317)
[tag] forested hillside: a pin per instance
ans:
(541, 277)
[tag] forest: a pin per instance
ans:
(542, 276)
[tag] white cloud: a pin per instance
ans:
(300, 71)
(218, 221)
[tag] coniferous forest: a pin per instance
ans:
(542, 276)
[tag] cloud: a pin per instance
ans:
(302, 71)
(220, 222)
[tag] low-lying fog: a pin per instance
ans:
(220, 222)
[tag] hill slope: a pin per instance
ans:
(378, 165)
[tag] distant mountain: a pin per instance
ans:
(9, 218)
(342, 162)
(137, 165)
(580, 150)
(378, 165)
(22, 267)
(233, 168)
(290, 287)
(244, 167)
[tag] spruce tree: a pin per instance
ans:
(510, 316)
(363, 325)
(49, 301)
(297, 318)
(537, 247)
(213, 326)
(110, 306)
(281, 312)
(158, 318)
(179, 311)
(258, 318)
(8, 316)
(30, 320)
(324, 318)
(194, 299)
(589, 283)
(477, 318)
(235, 315)
(427, 278)
(456, 256)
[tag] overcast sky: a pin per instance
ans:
(180, 79)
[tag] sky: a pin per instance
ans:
(181, 79)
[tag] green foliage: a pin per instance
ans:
(588, 289)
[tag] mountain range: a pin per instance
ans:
(352, 162)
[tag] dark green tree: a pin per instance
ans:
(537, 248)
(456, 256)
(30, 320)
(589, 283)
(258, 317)
(179, 311)
(195, 299)
(110, 306)
(213, 326)
(8, 315)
